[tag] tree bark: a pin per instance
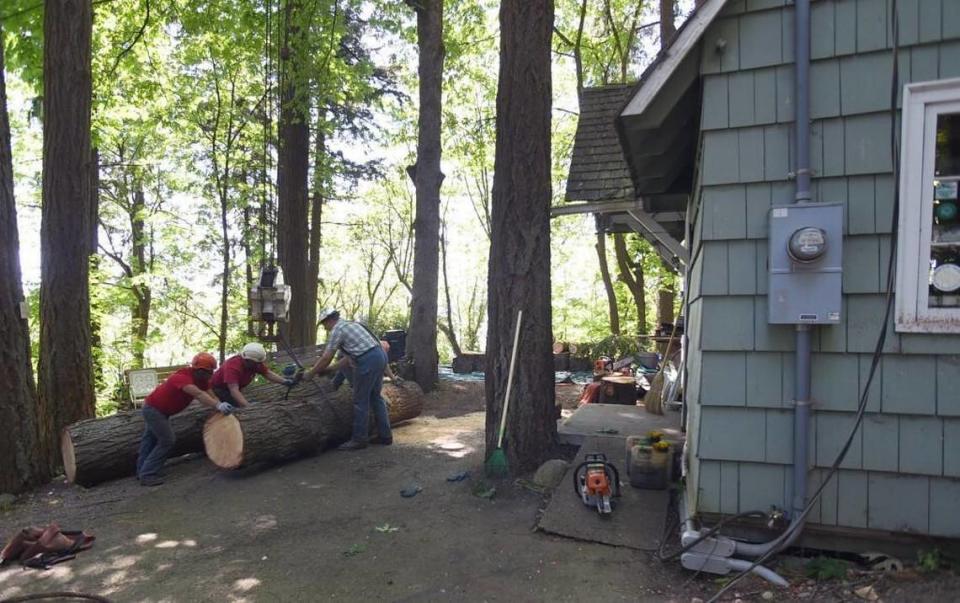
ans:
(293, 162)
(97, 450)
(23, 466)
(65, 369)
(631, 273)
(288, 429)
(142, 294)
(667, 28)
(316, 228)
(448, 328)
(607, 281)
(422, 340)
(519, 264)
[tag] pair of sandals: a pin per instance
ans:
(41, 548)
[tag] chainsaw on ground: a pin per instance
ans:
(597, 481)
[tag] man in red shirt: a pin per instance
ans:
(166, 400)
(238, 371)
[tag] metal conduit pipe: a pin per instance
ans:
(802, 358)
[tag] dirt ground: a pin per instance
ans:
(334, 527)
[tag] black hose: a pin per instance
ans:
(57, 595)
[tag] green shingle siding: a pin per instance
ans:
(742, 98)
(948, 385)
(725, 379)
(898, 502)
(764, 381)
(921, 449)
(944, 494)
(837, 382)
(951, 448)
(909, 384)
(727, 323)
(742, 439)
(759, 485)
(852, 492)
(833, 428)
(742, 427)
(881, 444)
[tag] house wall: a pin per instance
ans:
(901, 473)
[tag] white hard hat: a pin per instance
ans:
(253, 351)
(328, 313)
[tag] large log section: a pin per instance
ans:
(287, 429)
(96, 450)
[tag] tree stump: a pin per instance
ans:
(296, 427)
(619, 389)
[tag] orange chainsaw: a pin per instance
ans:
(597, 481)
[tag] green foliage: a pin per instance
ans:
(826, 568)
(930, 560)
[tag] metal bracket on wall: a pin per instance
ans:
(646, 222)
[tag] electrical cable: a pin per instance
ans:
(56, 595)
(703, 536)
(881, 338)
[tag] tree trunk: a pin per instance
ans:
(142, 295)
(422, 340)
(607, 281)
(97, 450)
(667, 29)
(296, 427)
(665, 299)
(448, 328)
(293, 163)
(23, 467)
(631, 273)
(225, 269)
(316, 230)
(519, 264)
(65, 369)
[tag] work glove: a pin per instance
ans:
(226, 408)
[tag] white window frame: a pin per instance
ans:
(922, 103)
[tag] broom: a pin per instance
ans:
(653, 400)
(497, 463)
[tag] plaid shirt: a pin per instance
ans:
(351, 338)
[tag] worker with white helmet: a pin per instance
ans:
(238, 371)
(363, 352)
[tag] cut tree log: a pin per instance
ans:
(97, 450)
(296, 427)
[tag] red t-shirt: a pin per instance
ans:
(169, 397)
(233, 370)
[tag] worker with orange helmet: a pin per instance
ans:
(166, 400)
(238, 371)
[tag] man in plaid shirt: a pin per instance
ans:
(362, 350)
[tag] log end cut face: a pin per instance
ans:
(223, 440)
(68, 455)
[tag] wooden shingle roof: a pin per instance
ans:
(598, 170)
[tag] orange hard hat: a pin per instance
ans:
(205, 361)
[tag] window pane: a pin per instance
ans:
(944, 279)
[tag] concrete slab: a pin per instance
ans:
(638, 516)
(616, 421)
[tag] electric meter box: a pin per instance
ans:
(805, 263)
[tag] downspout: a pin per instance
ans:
(802, 356)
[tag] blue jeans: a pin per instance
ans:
(158, 440)
(367, 381)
